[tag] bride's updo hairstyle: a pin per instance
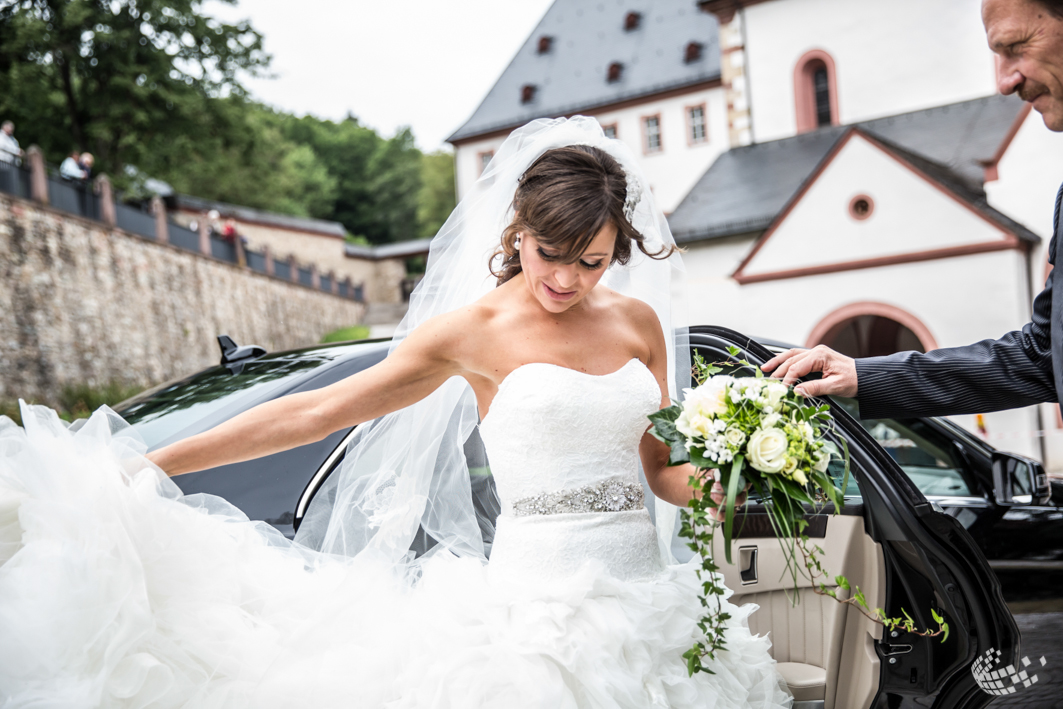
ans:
(564, 200)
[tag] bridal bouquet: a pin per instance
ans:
(757, 433)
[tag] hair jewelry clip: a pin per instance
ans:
(634, 194)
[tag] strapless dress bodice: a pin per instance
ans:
(552, 429)
(563, 449)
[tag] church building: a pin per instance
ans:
(838, 171)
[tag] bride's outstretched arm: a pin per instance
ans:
(417, 367)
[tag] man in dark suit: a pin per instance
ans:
(1025, 366)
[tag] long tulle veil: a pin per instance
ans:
(409, 469)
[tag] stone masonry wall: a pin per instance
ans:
(81, 303)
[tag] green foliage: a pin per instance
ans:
(116, 77)
(154, 84)
(355, 332)
(437, 198)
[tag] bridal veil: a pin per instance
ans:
(409, 471)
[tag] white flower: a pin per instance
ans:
(771, 420)
(806, 431)
(821, 462)
(709, 398)
(775, 393)
(790, 466)
(767, 450)
(693, 424)
(735, 437)
(799, 476)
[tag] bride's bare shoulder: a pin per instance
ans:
(636, 313)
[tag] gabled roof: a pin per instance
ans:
(588, 36)
(747, 187)
(258, 216)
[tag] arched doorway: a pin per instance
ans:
(871, 336)
(871, 330)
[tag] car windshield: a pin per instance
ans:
(164, 413)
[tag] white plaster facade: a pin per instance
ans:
(671, 172)
(890, 57)
(960, 299)
(910, 215)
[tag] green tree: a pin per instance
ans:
(437, 197)
(117, 76)
(395, 183)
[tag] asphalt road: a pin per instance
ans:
(1042, 635)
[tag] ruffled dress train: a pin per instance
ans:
(118, 591)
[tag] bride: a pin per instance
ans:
(118, 591)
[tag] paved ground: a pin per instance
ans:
(1042, 634)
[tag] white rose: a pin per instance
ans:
(692, 424)
(735, 437)
(775, 393)
(767, 450)
(790, 466)
(709, 398)
(682, 423)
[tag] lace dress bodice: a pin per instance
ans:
(555, 438)
(552, 429)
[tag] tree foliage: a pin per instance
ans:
(156, 84)
(117, 77)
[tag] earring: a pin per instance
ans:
(516, 242)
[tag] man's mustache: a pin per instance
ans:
(1029, 90)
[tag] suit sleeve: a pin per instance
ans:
(990, 375)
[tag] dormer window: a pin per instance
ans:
(632, 20)
(527, 93)
(616, 70)
(692, 52)
(546, 42)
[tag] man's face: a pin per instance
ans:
(1028, 42)
(9, 128)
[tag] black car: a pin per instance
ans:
(906, 552)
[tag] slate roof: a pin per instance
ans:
(247, 214)
(589, 35)
(747, 187)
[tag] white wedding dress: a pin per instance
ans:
(117, 591)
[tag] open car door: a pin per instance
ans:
(904, 556)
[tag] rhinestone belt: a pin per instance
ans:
(607, 496)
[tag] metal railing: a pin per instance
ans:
(33, 179)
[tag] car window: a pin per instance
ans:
(927, 456)
(161, 414)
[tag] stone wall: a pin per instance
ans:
(382, 279)
(81, 303)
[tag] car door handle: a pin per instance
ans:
(891, 650)
(747, 564)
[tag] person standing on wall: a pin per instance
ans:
(1023, 367)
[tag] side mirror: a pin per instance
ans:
(1019, 481)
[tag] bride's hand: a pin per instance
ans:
(718, 495)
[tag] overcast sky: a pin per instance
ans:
(422, 63)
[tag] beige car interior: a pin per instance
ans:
(825, 650)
